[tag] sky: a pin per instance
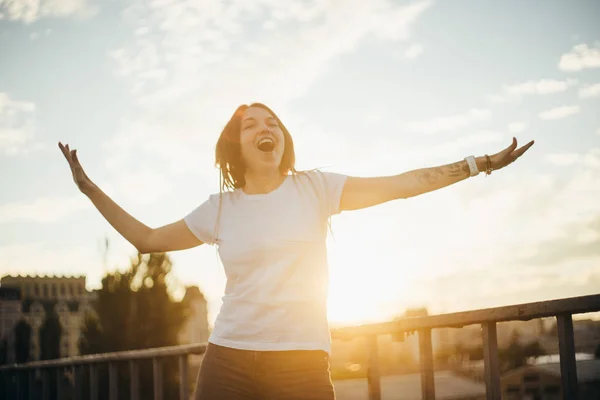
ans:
(142, 90)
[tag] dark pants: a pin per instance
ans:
(232, 374)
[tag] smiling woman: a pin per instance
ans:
(271, 337)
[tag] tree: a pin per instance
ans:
(516, 354)
(22, 341)
(50, 333)
(134, 310)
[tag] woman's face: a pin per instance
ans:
(261, 140)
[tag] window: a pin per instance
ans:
(552, 389)
(71, 290)
(53, 290)
(36, 289)
(63, 291)
(512, 389)
(45, 292)
(531, 378)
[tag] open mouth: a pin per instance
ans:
(266, 144)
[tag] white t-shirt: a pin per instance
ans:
(273, 250)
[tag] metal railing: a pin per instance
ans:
(17, 375)
(561, 309)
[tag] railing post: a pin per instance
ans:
(59, 383)
(568, 365)
(93, 382)
(490, 361)
(158, 378)
(77, 382)
(32, 384)
(373, 375)
(134, 380)
(426, 361)
(45, 384)
(18, 385)
(113, 381)
(184, 388)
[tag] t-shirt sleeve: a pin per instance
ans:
(332, 185)
(202, 220)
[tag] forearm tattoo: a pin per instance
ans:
(433, 175)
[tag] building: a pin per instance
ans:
(32, 298)
(542, 381)
(10, 314)
(195, 329)
(41, 295)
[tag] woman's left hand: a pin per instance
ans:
(508, 155)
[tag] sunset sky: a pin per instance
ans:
(142, 89)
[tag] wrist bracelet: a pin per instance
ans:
(472, 165)
(488, 167)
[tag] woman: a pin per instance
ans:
(271, 337)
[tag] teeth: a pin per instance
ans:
(265, 140)
(266, 144)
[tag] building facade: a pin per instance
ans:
(32, 298)
(10, 314)
(42, 295)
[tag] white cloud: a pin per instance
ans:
(580, 57)
(590, 91)
(450, 122)
(42, 210)
(190, 64)
(17, 126)
(29, 11)
(562, 159)
(193, 40)
(514, 93)
(36, 35)
(37, 258)
(559, 112)
(413, 51)
(143, 186)
(517, 127)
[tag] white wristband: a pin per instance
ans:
(472, 165)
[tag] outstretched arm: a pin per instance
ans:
(367, 192)
(174, 236)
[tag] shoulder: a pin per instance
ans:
(321, 178)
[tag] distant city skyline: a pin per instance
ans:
(142, 90)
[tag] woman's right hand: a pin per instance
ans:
(83, 182)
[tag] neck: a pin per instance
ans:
(262, 182)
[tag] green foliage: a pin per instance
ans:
(134, 310)
(516, 354)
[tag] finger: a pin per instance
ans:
(507, 151)
(64, 151)
(512, 146)
(68, 154)
(75, 158)
(519, 152)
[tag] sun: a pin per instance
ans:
(365, 287)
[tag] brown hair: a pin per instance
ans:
(228, 155)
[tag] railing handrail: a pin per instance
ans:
(118, 356)
(517, 312)
(522, 312)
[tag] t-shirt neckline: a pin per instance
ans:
(258, 196)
